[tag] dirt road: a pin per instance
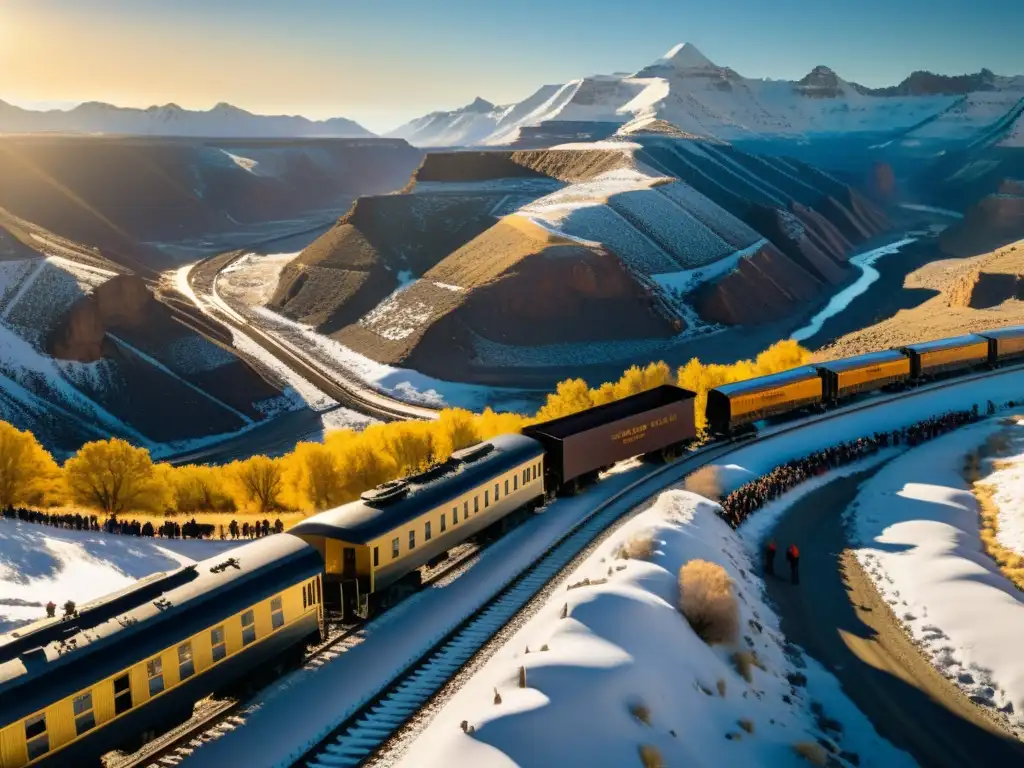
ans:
(838, 617)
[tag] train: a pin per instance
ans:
(132, 664)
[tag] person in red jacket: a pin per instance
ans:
(793, 556)
(769, 558)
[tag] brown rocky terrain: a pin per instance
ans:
(121, 193)
(993, 221)
(442, 278)
(969, 295)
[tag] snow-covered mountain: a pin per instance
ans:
(224, 120)
(687, 89)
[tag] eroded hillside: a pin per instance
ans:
(580, 254)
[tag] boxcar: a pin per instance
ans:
(930, 358)
(580, 445)
(733, 405)
(863, 373)
(372, 545)
(72, 689)
(1004, 343)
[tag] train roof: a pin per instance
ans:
(792, 376)
(939, 344)
(859, 361)
(627, 407)
(1010, 332)
(52, 658)
(360, 522)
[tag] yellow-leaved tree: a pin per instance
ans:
(199, 488)
(114, 476)
(260, 481)
(312, 477)
(28, 473)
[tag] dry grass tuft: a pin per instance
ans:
(650, 757)
(522, 677)
(705, 482)
(747, 725)
(707, 600)
(812, 752)
(641, 712)
(1010, 563)
(639, 546)
(721, 687)
(743, 663)
(497, 697)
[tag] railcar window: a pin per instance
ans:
(394, 547)
(220, 649)
(249, 626)
(35, 734)
(412, 539)
(515, 483)
(506, 486)
(305, 599)
(276, 613)
(186, 664)
(526, 476)
(122, 694)
(487, 499)
(426, 531)
(444, 519)
(155, 673)
(316, 585)
(496, 494)
(85, 719)
(465, 511)
(476, 504)
(376, 556)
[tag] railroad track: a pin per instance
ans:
(361, 736)
(175, 745)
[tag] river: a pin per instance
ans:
(839, 302)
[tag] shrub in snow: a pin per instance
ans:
(721, 687)
(707, 600)
(639, 546)
(812, 752)
(497, 697)
(747, 725)
(641, 712)
(743, 662)
(650, 757)
(705, 482)
(522, 677)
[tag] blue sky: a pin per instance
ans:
(384, 61)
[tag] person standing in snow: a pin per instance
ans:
(769, 558)
(793, 556)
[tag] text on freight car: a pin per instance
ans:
(638, 432)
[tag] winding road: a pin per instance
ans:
(837, 616)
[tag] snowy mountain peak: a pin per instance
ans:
(821, 83)
(686, 56)
(479, 105)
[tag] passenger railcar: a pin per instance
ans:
(931, 358)
(658, 421)
(744, 402)
(863, 373)
(1004, 344)
(372, 548)
(72, 689)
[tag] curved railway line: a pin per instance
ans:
(377, 724)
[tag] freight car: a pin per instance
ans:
(372, 548)
(744, 402)
(659, 421)
(1004, 344)
(961, 353)
(863, 373)
(134, 662)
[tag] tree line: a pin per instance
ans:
(115, 477)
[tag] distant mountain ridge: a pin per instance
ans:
(222, 121)
(688, 90)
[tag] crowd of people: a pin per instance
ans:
(169, 530)
(751, 496)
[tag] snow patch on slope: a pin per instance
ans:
(624, 645)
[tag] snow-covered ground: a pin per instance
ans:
(624, 645)
(399, 383)
(39, 564)
(1007, 485)
(915, 524)
(253, 278)
(868, 275)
